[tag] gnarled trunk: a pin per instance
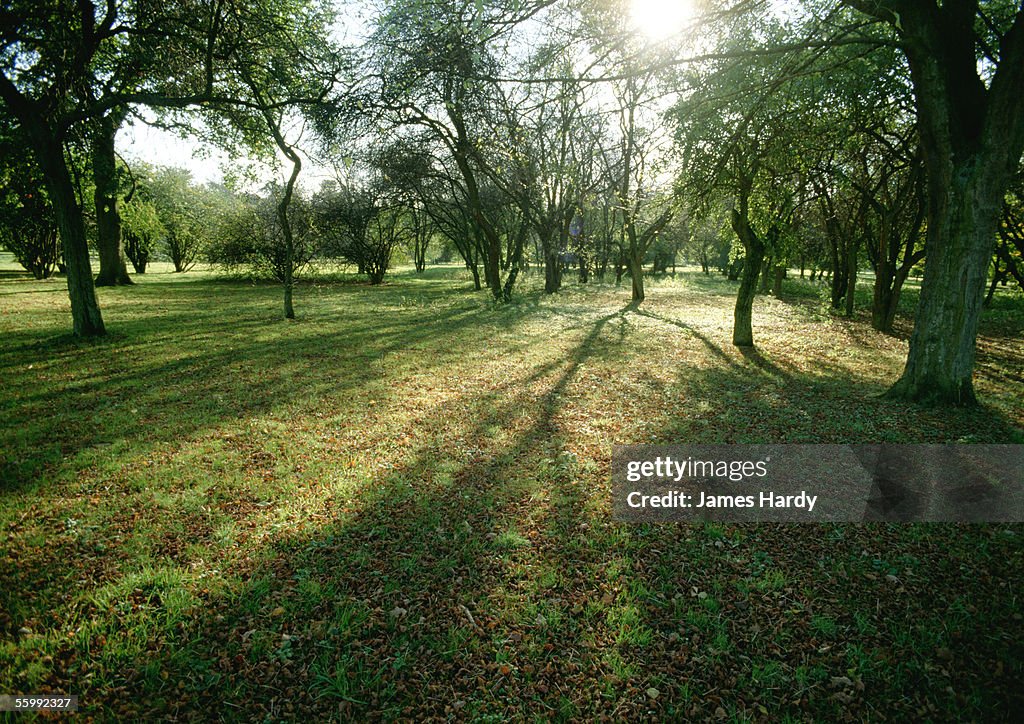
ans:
(753, 248)
(961, 237)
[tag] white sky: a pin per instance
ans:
(140, 142)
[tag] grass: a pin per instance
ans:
(398, 506)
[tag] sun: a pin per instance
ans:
(659, 19)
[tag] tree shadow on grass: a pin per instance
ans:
(16, 275)
(755, 356)
(415, 578)
(493, 532)
(191, 367)
(494, 584)
(708, 343)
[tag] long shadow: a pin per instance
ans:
(130, 388)
(752, 354)
(432, 556)
(433, 536)
(744, 574)
(414, 588)
(757, 357)
(16, 274)
(709, 344)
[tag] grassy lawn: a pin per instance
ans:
(398, 506)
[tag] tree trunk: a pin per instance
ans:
(288, 277)
(636, 271)
(961, 237)
(742, 327)
(136, 248)
(972, 136)
(894, 297)
(753, 247)
(762, 287)
(780, 274)
(85, 312)
(421, 255)
(289, 310)
(552, 266)
(492, 262)
(881, 297)
(113, 271)
(835, 272)
(515, 262)
(998, 276)
(851, 276)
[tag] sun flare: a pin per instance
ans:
(660, 19)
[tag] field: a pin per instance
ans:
(398, 506)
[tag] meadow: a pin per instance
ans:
(398, 506)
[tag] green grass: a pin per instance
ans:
(397, 506)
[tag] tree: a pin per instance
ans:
(967, 67)
(708, 242)
(364, 224)
(141, 228)
(866, 176)
(71, 70)
(388, 230)
(644, 212)
(432, 65)
(405, 167)
(28, 228)
(282, 64)
(182, 208)
(66, 64)
(554, 159)
(1009, 257)
(250, 236)
(736, 134)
